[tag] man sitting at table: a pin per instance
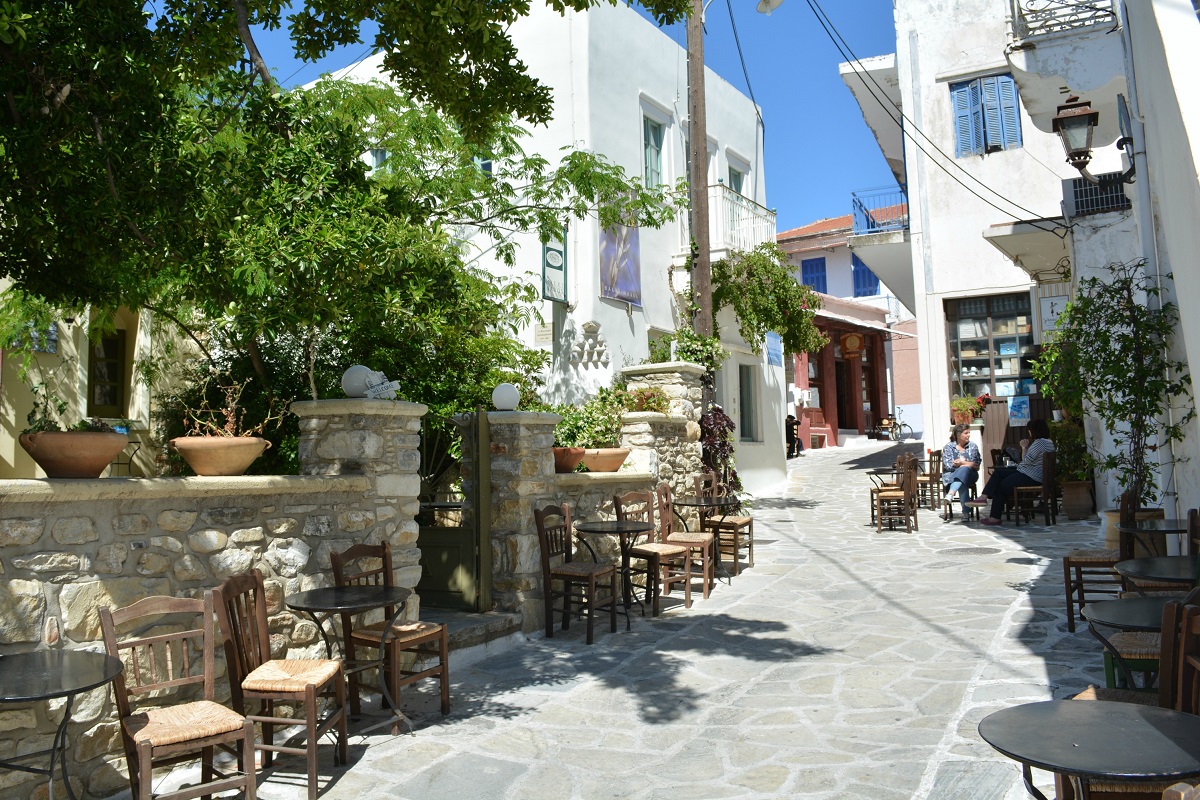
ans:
(960, 464)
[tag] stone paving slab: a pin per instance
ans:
(847, 663)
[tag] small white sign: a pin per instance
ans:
(386, 391)
(543, 334)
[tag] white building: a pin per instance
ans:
(620, 89)
(1001, 227)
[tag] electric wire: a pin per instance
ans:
(856, 64)
(745, 73)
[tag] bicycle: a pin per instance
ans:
(894, 428)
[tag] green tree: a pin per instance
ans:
(765, 296)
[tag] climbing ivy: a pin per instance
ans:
(765, 296)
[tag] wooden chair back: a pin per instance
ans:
(554, 534)
(666, 510)
(163, 658)
(997, 454)
(706, 484)
(241, 602)
(1193, 523)
(1128, 509)
(1049, 476)
(637, 506)
(934, 466)
(1187, 679)
(364, 565)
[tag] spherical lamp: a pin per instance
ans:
(505, 397)
(354, 381)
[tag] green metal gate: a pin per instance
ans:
(454, 522)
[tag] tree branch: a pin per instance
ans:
(243, 24)
(163, 312)
(112, 187)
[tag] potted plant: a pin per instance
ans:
(964, 409)
(596, 427)
(1074, 468)
(218, 442)
(1112, 347)
(82, 450)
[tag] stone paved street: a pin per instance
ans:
(846, 664)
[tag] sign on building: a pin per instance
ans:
(554, 269)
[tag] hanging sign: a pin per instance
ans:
(1018, 412)
(774, 350)
(852, 344)
(554, 269)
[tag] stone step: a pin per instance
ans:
(475, 636)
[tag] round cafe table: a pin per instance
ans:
(1148, 533)
(46, 675)
(628, 530)
(1162, 569)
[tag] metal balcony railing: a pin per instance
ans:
(879, 210)
(1032, 18)
(735, 222)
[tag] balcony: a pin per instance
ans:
(735, 222)
(1033, 18)
(879, 210)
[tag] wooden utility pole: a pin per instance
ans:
(698, 174)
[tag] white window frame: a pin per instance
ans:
(658, 114)
(749, 394)
(736, 163)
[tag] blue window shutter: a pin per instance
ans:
(812, 273)
(866, 284)
(1010, 114)
(967, 133)
(993, 138)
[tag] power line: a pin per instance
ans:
(745, 72)
(856, 64)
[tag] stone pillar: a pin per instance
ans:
(379, 439)
(829, 403)
(522, 470)
(667, 445)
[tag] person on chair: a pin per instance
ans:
(960, 464)
(999, 488)
(790, 426)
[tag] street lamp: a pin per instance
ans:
(698, 153)
(1075, 123)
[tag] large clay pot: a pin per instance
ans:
(962, 417)
(1077, 499)
(1112, 520)
(73, 454)
(605, 459)
(566, 459)
(219, 455)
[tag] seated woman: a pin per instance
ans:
(960, 464)
(999, 488)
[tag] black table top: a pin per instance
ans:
(1154, 526)
(1098, 739)
(348, 599)
(614, 526)
(1169, 569)
(1130, 614)
(44, 674)
(706, 502)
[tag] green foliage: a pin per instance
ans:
(1060, 376)
(648, 398)
(690, 347)
(92, 425)
(965, 405)
(1073, 462)
(1117, 333)
(597, 423)
(765, 296)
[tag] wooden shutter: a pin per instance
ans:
(1010, 115)
(993, 128)
(968, 128)
(812, 273)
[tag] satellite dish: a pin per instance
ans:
(767, 6)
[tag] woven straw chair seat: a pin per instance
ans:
(1137, 644)
(1118, 696)
(658, 549)
(576, 569)
(401, 631)
(1153, 593)
(692, 538)
(182, 723)
(1116, 787)
(290, 675)
(1100, 554)
(729, 522)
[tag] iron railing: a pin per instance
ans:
(735, 222)
(879, 210)
(1031, 18)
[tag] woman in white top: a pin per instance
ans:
(998, 491)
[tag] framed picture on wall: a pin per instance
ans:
(1051, 308)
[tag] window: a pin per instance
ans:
(376, 157)
(986, 115)
(866, 284)
(812, 273)
(106, 377)
(736, 179)
(748, 403)
(482, 164)
(652, 141)
(991, 346)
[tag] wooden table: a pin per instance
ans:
(628, 530)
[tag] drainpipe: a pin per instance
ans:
(1145, 211)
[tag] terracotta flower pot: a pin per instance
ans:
(219, 455)
(73, 454)
(566, 459)
(1078, 501)
(605, 459)
(962, 417)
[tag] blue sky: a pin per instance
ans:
(818, 150)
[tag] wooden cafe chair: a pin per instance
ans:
(1028, 499)
(254, 675)
(666, 564)
(426, 643)
(883, 486)
(171, 654)
(580, 580)
(899, 504)
(701, 545)
(734, 532)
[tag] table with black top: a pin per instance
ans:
(1130, 614)
(336, 600)
(723, 506)
(1161, 569)
(1082, 739)
(46, 675)
(628, 530)
(1148, 533)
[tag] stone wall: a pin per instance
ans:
(69, 547)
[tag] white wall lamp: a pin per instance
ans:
(1075, 123)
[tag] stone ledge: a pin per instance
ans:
(654, 416)
(61, 490)
(357, 406)
(683, 367)
(584, 480)
(522, 417)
